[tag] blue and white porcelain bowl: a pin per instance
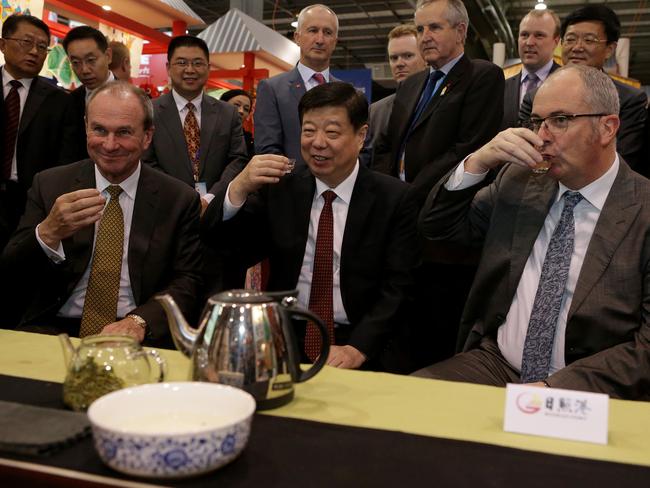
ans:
(171, 430)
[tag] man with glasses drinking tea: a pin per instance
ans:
(559, 296)
(589, 37)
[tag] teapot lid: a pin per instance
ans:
(242, 296)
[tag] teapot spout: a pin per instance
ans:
(184, 336)
(67, 348)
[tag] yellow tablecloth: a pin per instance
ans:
(383, 401)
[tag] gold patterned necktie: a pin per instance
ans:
(100, 305)
(192, 138)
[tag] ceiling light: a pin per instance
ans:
(540, 5)
(108, 8)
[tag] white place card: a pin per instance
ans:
(551, 412)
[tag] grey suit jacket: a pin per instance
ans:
(607, 341)
(222, 153)
(511, 96)
(378, 117)
(163, 255)
(630, 139)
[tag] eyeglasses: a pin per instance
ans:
(28, 44)
(196, 63)
(555, 124)
(588, 40)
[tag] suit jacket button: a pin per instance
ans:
(501, 318)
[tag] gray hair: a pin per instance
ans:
(456, 11)
(122, 89)
(303, 12)
(600, 93)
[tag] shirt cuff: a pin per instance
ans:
(229, 209)
(208, 197)
(461, 179)
(57, 256)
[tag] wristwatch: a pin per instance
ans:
(138, 320)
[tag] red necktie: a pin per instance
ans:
(12, 118)
(320, 79)
(320, 298)
(192, 138)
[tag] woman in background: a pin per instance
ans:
(244, 103)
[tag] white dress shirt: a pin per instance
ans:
(22, 94)
(511, 335)
(73, 308)
(340, 206)
(181, 105)
(307, 73)
(541, 73)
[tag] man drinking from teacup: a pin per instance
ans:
(560, 296)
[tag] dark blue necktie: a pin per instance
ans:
(538, 347)
(425, 98)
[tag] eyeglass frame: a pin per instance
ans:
(582, 38)
(196, 63)
(28, 44)
(539, 121)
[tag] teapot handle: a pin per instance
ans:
(297, 374)
(160, 361)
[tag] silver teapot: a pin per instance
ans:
(245, 339)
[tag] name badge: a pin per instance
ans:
(551, 412)
(201, 187)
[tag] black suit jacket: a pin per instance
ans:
(222, 153)
(630, 139)
(378, 254)
(511, 99)
(608, 325)
(78, 102)
(46, 138)
(164, 247)
(463, 115)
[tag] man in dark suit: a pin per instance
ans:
(90, 56)
(405, 60)
(589, 37)
(560, 297)
(221, 151)
(277, 128)
(344, 236)
(439, 117)
(539, 35)
(102, 236)
(39, 133)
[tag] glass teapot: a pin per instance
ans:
(104, 363)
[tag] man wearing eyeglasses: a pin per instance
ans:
(90, 56)
(560, 296)
(36, 125)
(589, 37)
(198, 139)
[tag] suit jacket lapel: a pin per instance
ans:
(296, 85)
(616, 217)
(209, 119)
(301, 198)
(537, 199)
(35, 97)
(171, 121)
(455, 75)
(361, 203)
(81, 242)
(142, 225)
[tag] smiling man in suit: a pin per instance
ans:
(539, 35)
(102, 236)
(440, 116)
(341, 234)
(37, 127)
(561, 294)
(277, 128)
